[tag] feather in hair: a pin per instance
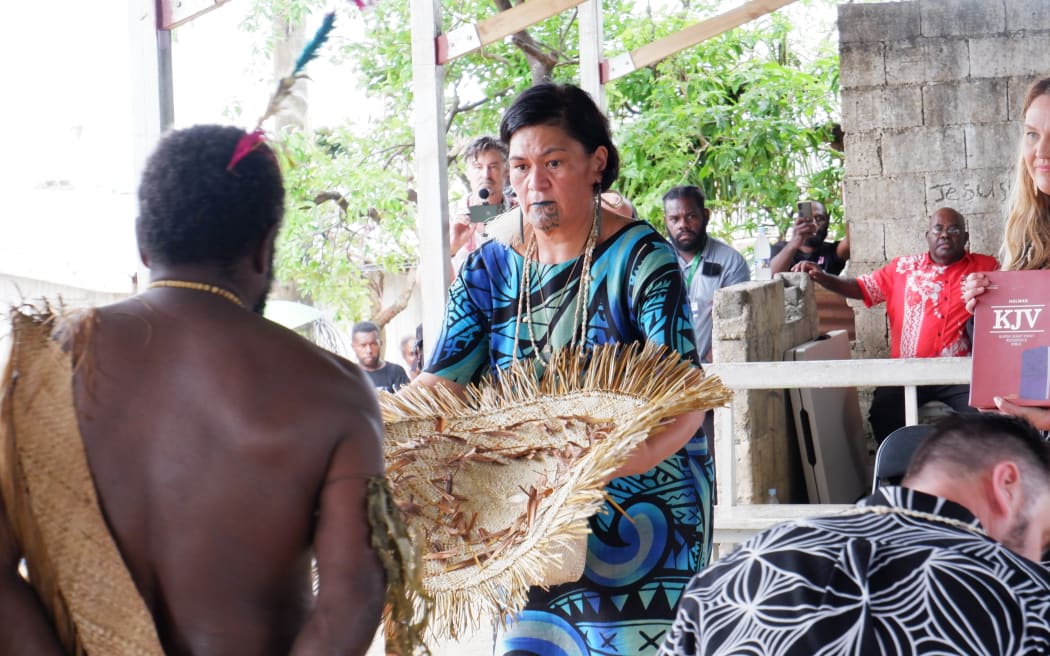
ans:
(251, 140)
(309, 52)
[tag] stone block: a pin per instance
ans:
(946, 59)
(744, 313)
(862, 153)
(1027, 15)
(926, 60)
(991, 145)
(907, 238)
(904, 61)
(1018, 53)
(859, 267)
(861, 65)
(1017, 88)
(970, 191)
(860, 23)
(882, 198)
(872, 333)
(961, 17)
(881, 107)
(964, 102)
(867, 243)
(986, 232)
(917, 150)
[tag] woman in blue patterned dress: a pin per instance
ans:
(572, 274)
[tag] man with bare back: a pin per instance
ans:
(224, 451)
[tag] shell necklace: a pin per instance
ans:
(199, 287)
(525, 297)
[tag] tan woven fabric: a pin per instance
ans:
(501, 484)
(74, 564)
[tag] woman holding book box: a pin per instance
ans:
(1026, 245)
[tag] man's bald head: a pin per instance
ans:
(947, 236)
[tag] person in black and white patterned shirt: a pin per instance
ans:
(948, 563)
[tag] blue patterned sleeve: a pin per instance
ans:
(461, 352)
(660, 299)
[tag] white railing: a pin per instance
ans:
(732, 522)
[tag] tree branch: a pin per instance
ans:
(383, 317)
(541, 63)
(333, 196)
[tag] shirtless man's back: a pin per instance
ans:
(225, 449)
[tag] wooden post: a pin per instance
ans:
(428, 85)
(152, 103)
(591, 51)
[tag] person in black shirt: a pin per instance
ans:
(807, 245)
(385, 376)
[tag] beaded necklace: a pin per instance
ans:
(199, 287)
(915, 514)
(524, 313)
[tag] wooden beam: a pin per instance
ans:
(469, 38)
(173, 13)
(842, 373)
(690, 36)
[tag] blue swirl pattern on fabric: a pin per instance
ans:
(637, 566)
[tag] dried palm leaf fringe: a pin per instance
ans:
(627, 390)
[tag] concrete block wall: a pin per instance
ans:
(758, 321)
(931, 104)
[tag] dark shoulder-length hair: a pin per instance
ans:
(570, 108)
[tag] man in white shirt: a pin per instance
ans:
(708, 263)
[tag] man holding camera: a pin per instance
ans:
(486, 160)
(807, 243)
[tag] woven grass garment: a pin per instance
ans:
(500, 484)
(47, 488)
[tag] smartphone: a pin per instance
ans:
(805, 210)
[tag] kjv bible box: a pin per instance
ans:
(1011, 340)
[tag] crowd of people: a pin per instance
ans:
(196, 437)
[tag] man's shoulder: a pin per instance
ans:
(982, 262)
(394, 370)
(717, 248)
(389, 377)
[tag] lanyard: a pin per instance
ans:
(692, 270)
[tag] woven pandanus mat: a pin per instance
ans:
(54, 512)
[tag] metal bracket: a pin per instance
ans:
(460, 41)
(620, 65)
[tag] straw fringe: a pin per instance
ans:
(502, 481)
(407, 603)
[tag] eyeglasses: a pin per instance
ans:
(938, 230)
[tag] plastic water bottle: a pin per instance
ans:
(762, 255)
(771, 496)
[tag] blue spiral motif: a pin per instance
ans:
(640, 544)
(537, 632)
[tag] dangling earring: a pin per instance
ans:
(598, 207)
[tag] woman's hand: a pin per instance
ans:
(1038, 417)
(973, 286)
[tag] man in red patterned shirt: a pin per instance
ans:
(925, 309)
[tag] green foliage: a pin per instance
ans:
(741, 115)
